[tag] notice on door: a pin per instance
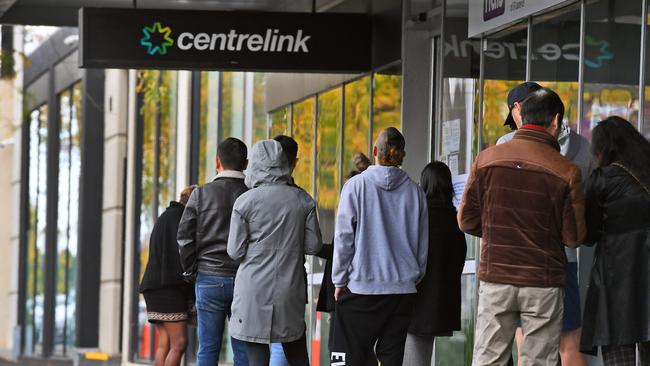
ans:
(450, 136)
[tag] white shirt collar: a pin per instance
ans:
(230, 174)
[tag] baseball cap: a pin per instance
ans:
(517, 94)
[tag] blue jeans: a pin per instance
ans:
(213, 301)
(277, 355)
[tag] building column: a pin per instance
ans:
(11, 155)
(113, 212)
(416, 99)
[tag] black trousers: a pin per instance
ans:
(370, 328)
(259, 354)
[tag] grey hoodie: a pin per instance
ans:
(273, 226)
(382, 233)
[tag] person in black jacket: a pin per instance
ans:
(203, 239)
(437, 306)
(169, 299)
(617, 307)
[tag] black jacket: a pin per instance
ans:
(437, 307)
(204, 228)
(617, 306)
(164, 266)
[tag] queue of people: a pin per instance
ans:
(392, 276)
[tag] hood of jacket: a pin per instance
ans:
(387, 178)
(268, 165)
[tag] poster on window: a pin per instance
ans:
(459, 182)
(450, 136)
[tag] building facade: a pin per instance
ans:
(98, 154)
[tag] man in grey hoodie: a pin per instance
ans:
(380, 254)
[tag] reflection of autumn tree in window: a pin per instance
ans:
(232, 105)
(158, 91)
(35, 266)
(386, 103)
(303, 133)
(259, 113)
(495, 109)
(280, 122)
(327, 140)
(208, 120)
(357, 114)
(67, 218)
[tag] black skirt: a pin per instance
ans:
(170, 304)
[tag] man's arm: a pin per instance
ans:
(469, 212)
(574, 228)
(346, 220)
(186, 236)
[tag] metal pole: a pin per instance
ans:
(581, 67)
(529, 44)
(644, 28)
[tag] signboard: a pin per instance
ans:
(217, 40)
(487, 15)
(555, 53)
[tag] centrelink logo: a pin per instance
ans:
(271, 41)
(160, 32)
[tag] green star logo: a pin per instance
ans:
(161, 32)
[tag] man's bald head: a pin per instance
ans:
(389, 148)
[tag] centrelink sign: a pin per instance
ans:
(215, 40)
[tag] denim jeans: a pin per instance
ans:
(277, 355)
(213, 301)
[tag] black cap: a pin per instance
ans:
(517, 94)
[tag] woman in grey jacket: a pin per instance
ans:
(272, 227)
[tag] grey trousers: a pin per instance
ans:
(418, 351)
(499, 308)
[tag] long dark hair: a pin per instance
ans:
(436, 183)
(615, 140)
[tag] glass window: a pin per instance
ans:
(260, 127)
(68, 218)
(555, 48)
(303, 133)
(35, 266)
(505, 68)
(208, 125)
(232, 117)
(458, 349)
(611, 73)
(158, 90)
(327, 189)
(357, 114)
(460, 86)
(329, 157)
(280, 122)
(386, 101)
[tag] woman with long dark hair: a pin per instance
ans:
(437, 306)
(617, 309)
(169, 299)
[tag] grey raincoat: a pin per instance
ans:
(273, 226)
